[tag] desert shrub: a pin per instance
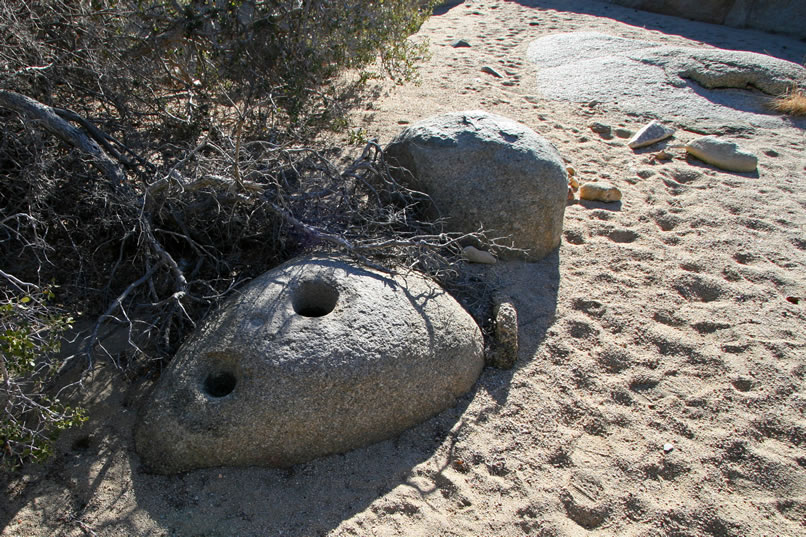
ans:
(30, 332)
(139, 63)
(792, 103)
(155, 155)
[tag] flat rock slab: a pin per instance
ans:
(698, 87)
(485, 170)
(317, 356)
(723, 154)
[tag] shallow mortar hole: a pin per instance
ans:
(314, 298)
(220, 384)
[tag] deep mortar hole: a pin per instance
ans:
(314, 298)
(219, 384)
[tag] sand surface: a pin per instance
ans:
(661, 320)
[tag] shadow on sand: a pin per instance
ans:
(778, 45)
(97, 481)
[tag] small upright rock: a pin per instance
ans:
(599, 192)
(505, 353)
(460, 43)
(722, 154)
(653, 132)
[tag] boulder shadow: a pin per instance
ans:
(97, 481)
(777, 45)
(533, 288)
(613, 206)
(697, 163)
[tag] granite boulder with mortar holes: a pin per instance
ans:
(314, 357)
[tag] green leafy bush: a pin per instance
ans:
(29, 418)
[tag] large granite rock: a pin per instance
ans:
(317, 356)
(785, 16)
(698, 87)
(481, 169)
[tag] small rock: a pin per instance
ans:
(668, 448)
(573, 183)
(623, 133)
(570, 194)
(771, 153)
(474, 255)
(599, 128)
(722, 154)
(571, 171)
(460, 43)
(645, 174)
(653, 132)
(505, 352)
(490, 71)
(660, 155)
(599, 192)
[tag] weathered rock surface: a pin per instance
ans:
(695, 86)
(317, 356)
(722, 154)
(650, 134)
(785, 16)
(599, 192)
(484, 169)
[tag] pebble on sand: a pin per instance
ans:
(490, 71)
(651, 133)
(600, 128)
(722, 154)
(599, 192)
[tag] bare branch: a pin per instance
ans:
(51, 121)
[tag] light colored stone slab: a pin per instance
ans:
(722, 154)
(701, 88)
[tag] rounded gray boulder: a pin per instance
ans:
(481, 169)
(317, 356)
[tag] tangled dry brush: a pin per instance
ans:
(156, 155)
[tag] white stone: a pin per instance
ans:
(650, 134)
(722, 154)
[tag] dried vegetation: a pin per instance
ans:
(156, 155)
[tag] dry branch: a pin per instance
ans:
(50, 120)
